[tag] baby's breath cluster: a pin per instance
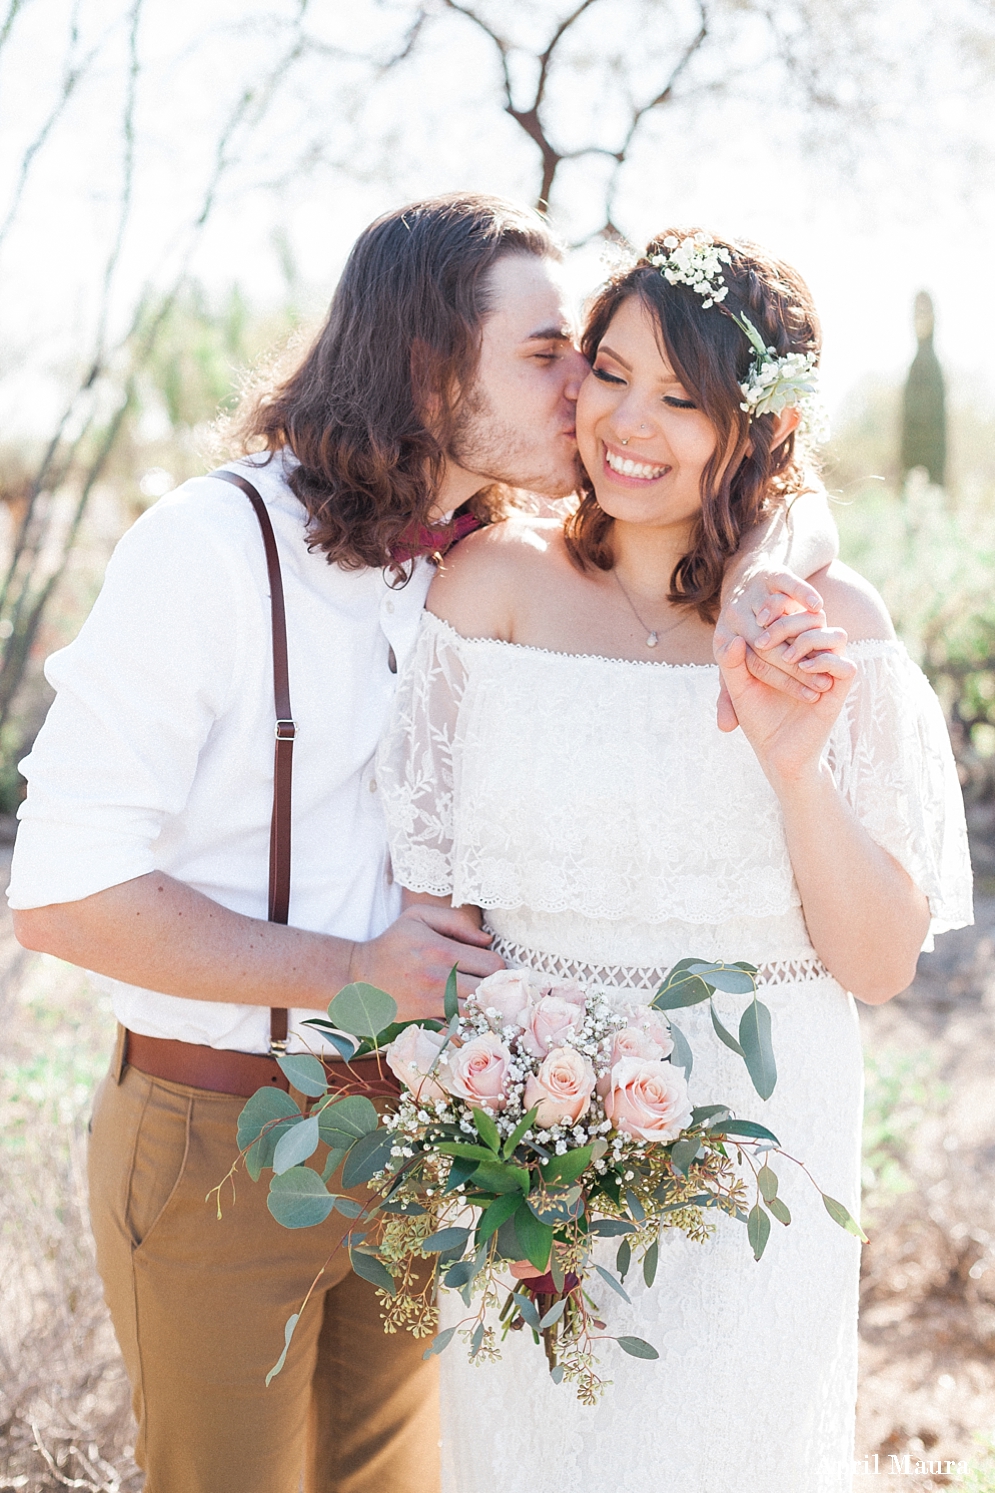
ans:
(695, 261)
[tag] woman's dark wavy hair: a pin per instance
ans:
(711, 356)
(404, 325)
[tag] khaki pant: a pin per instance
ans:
(199, 1308)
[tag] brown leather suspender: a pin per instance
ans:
(286, 731)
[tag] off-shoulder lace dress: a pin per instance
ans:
(607, 827)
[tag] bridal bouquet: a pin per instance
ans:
(534, 1125)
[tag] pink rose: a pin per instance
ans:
(568, 990)
(562, 1088)
(655, 1025)
(410, 1057)
(549, 1022)
(505, 993)
(630, 1042)
(478, 1072)
(648, 1099)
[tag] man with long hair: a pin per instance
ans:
(444, 378)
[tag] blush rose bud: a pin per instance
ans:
(562, 1088)
(507, 994)
(410, 1057)
(549, 1022)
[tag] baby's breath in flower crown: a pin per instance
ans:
(775, 382)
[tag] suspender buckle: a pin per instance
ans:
(278, 1047)
(286, 730)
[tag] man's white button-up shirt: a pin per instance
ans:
(157, 753)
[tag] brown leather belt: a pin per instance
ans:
(242, 1073)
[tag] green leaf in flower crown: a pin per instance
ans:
(373, 1269)
(299, 1199)
(682, 988)
(265, 1106)
(288, 1333)
(440, 1342)
(495, 1214)
(758, 1053)
(757, 1230)
(451, 1006)
(749, 330)
(363, 1010)
(487, 1130)
(369, 1155)
(535, 1238)
(651, 1260)
(721, 1032)
(844, 1218)
(345, 1121)
(682, 1056)
(296, 1145)
(305, 1073)
(636, 1347)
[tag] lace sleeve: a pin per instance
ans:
(415, 766)
(891, 756)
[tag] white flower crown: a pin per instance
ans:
(775, 382)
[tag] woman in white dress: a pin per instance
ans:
(555, 761)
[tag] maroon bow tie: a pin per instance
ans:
(421, 539)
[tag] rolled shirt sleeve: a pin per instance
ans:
(137, 695)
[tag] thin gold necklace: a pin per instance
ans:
(653, 634)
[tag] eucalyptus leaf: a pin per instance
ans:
(556, 1373)
(623, 1259)
(682, 1056)
(553, 1315)
(651, 1260)
(636, 1208)
(509, 1246)
(440, 1342)
(298, 1199)
(363, 1010)
(487, 1130)
(536, 1238)
(636, 1347)
(708, 1114)
(373, 1269)
(767, 1182)
(758, 1053)
(370, 1154)
(610, 1227)
(606, 1275)
(721, 1032)
(844, 1218)
(527, 1307)
(348, 1207)
(296, 1145)
(757, 1230)
(681, 988)
(264, 1108)
(476, 1339)
(305, 1073)
(288, 1333)
(333, 1161)
(459, 1274)
(346, 1121)
(451, 1006)
(747, 1128)
(407, 1208)
(346, 1046)
(683, 1153)
(729, 978)
(446, 1239)
(779, 1210)
(556, 1271)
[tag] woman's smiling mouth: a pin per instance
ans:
(627, 466)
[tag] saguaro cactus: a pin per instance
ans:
(924, 420)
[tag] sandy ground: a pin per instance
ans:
(928, 1309)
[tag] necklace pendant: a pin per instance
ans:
(652, 640)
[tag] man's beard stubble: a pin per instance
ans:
(499, 452)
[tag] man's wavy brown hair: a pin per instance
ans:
(403, 331)
(711, 356)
